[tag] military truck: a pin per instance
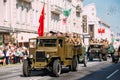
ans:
(52, 53)
(96, 50)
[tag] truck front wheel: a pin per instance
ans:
(57, 68)
(26, 68)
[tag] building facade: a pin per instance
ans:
(19, 19)
(95, 27)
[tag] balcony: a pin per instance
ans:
(56, 9)
(29, 1)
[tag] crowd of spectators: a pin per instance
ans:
(12, 54)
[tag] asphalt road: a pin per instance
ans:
(95, 70)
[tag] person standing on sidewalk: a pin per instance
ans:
(8, 52)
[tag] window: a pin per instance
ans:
(47, 42)
(5, 10)
(28, 16)
(91, 28)
(1, 39)
(23, 12)
(19, 8)
(55, 16)
(37, 16)
(69, 0)
(60, 43)
(18, 12)
(27, 13)
(78, 14)
(34, 17)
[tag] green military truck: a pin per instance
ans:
(52, 53)
(96, 50)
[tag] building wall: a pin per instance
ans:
(93, 20)
(23, 16)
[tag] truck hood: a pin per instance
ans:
(47, 49)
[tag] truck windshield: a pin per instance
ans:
(47, 42)
(95, 46)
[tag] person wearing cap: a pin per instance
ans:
(68, 38)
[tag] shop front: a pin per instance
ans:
(23, 38)
(6, 37)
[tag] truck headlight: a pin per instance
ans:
(89, 50)
(47, 55)
(31, 56)
(25, 57)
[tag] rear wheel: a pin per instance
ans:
(57, 68)
(85, 61)
(26, 68)
(116, 59)
(100, 57)
(74, 65)
(90, 57)
(105, 57)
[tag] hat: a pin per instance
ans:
(52, 32)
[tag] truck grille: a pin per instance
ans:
(40, 56)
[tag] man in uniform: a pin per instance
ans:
(111, 51)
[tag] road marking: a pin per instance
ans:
(112, 74)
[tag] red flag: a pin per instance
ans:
(103, 30)
(41, 25)
(99, 30)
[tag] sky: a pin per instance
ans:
(108, 11)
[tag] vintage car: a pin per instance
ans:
(52, 53)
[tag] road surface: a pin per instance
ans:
(95, 70)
